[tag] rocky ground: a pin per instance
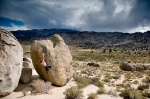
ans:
(113, 78)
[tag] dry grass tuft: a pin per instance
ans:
(92, 96)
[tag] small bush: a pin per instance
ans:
(73, 93)
(40, 86)
(97, 83)
(143, 86)
(146, 94)
(101, 90)
(116, 77)
(106, 80)
(130, 93)
(92, 96)
(82, 81)
(135, 82)
(146, 80)
(112, 92)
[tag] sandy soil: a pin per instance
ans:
(57, 92)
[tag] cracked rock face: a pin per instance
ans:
(58, 55)
(11, 55)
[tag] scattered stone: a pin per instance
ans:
(139, 68)
(126, 67)
(146, 67)
(93, 64)
(58, 55)
(11, 55)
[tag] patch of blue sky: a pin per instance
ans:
(7, 22)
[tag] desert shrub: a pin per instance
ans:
(112, 92)
(118, 89)
(73, 93)
(116, 76)
(83, 72)
(130, 93)
(101, 90)
(146, 94)
(92, 96)
(143, 86)
(146, 80)
(82, 81)
(135, 82)
(40, 86)
(97, 83)
(106, 79)
(128, 75)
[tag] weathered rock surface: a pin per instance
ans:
(58, 55)
(11, 55)
(25, 75)
(26, 72)
(27, 62)
(126, 67)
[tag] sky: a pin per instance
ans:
(83, 15)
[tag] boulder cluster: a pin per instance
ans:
(14, 68)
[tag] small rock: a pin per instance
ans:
(27, 62)
(139, 68)
(126, 67)
(93, 64)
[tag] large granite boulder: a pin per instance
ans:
(58, 55)
(11, 55)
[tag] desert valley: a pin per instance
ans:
(103, 67)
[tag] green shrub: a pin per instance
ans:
(146, 80)
(101, 90)
(135, 82)
(146, 94)
(82, 81)
(92, 96)
(96, 82)
(130, 93)
(112, 92)
(106, 80)
(73, 93)
(116, 77)
(143, 86)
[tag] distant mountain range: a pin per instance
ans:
(89, 39)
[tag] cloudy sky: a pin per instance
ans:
(85, 15)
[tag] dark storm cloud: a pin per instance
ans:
(93, 15)
(140, 13)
